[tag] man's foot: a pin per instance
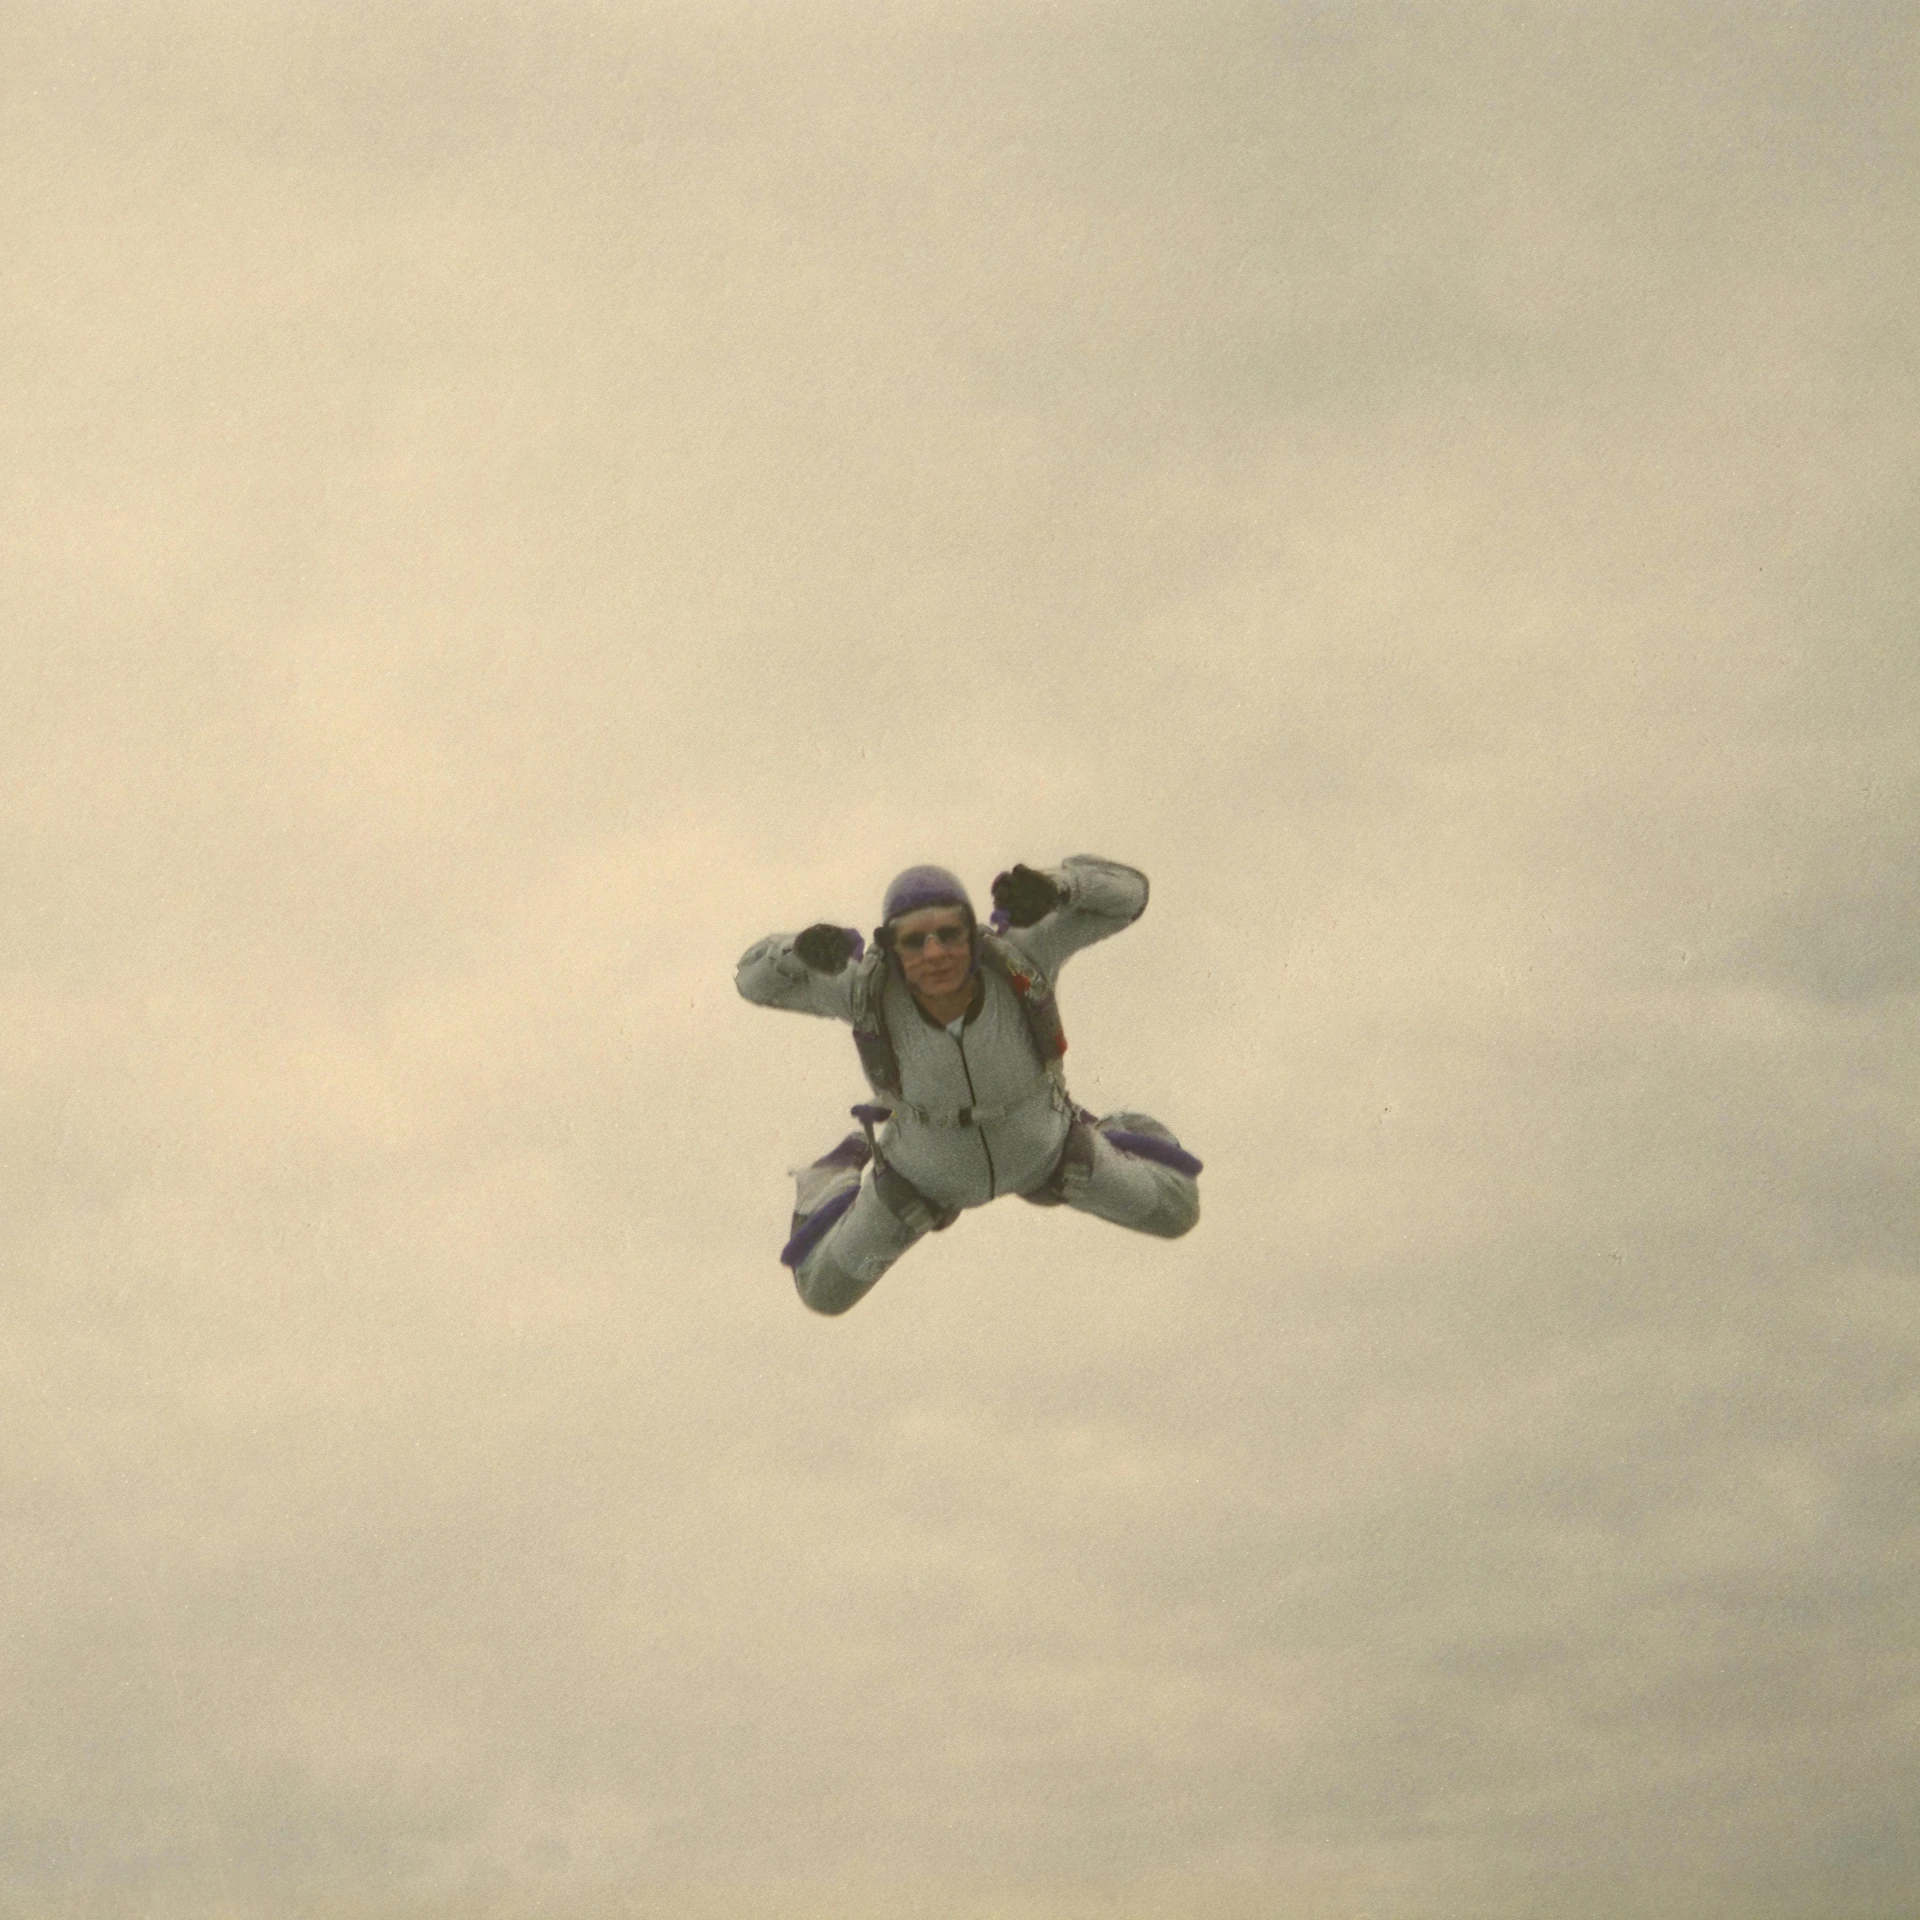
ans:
(823, 1191)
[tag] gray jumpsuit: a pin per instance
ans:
(989, 1067)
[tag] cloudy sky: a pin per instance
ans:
(502, 506)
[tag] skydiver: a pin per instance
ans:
(960, 1038)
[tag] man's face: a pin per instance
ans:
(935, 952)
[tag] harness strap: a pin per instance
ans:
(1042, 1082)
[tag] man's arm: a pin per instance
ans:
(1094, 898)
(797, 971)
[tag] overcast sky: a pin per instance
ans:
(502, 506)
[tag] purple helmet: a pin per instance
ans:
(924, 887)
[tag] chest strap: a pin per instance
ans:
(1041, 1082)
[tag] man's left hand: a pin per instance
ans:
(1025, 896)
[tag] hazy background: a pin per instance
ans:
(501, 506)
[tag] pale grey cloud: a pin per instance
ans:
(501, 508)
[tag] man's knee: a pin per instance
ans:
(1174, 1210)
(1179, 1216)
(829, 1293)
(854, 1257)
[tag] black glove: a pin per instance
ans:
(825, 948)
(1025, 896)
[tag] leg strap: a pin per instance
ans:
(907, 1203)
(1074, 1167)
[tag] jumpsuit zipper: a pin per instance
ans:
(993, 1182)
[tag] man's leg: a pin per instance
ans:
(1147, 1181)
(853, 1221)
(841, 1268)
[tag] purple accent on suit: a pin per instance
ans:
(818, 1224)
(853, 1151)
(1149, 1146)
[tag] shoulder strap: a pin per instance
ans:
(1033, 991)
(871, 1039)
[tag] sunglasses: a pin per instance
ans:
(940, 936)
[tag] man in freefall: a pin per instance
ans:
(959, 1034)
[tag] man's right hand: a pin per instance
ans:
(825, 948)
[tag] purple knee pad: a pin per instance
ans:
(808, 1233)
(1149, 1146)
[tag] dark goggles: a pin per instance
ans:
(940, 936)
